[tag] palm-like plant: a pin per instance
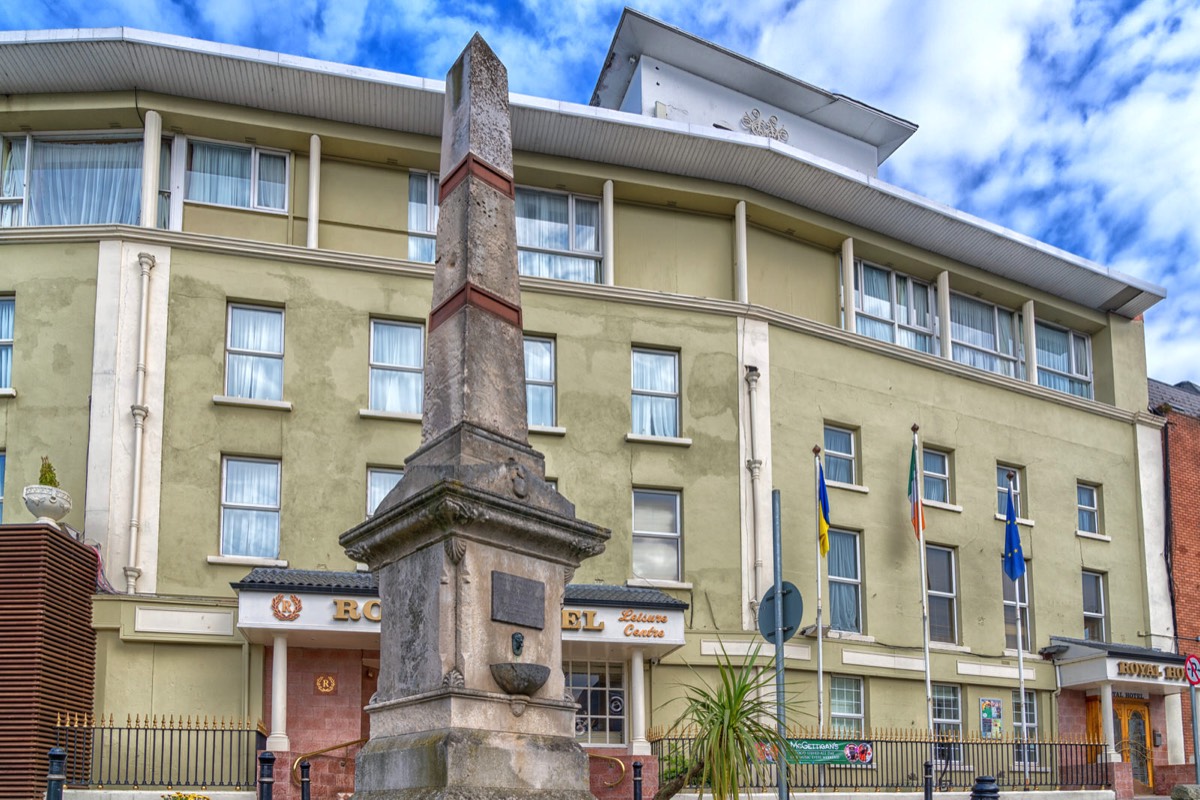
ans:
(732, 722)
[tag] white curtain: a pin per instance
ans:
(12, 180)
(935, 488)
(251, 531)
(539, 366)
(972, 322)
(219, 174)
(420, 220)
(379, 483)
(843, 597)
(272, 181)
(839, 468)
(560, 267)
(656, 557)
(655, 415)
(875, 298)
(251, 375)
(7, 307)
(164, 185)
(397, 357)
(85, 183)
(543, 221)
(587, 225)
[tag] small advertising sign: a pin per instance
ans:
(991, 717)
(820, 751)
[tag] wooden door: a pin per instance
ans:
(1131, 727)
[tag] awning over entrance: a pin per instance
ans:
(1084, 664)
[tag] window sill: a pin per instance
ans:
(1010, 652)
(673, 441)
(548, 430)
(1027, 523)
(849, 636)
(247, 561)
(8, 392)
(949, 648)
(275, 212)
(1099, 537)
(248, 402)
(401, 416)
(849, 487)
(943, 506)
(650, 583)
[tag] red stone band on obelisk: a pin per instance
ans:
(472, 165)
(472, 295)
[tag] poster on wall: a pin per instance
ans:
(991, 717)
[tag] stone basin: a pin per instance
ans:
(520, 678)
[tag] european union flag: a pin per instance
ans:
(1014, 557)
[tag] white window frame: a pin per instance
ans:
(1082, 509)
(1015, 360)
(372, 503)
(383, 366)
(1102, 614)
(1013, 600)
(928, 475)
(841, 456)
(598, 679)
(277, 508)
(854, 581)
(573, 251)
(7, 343)
(552, 384)
(847, 723)
(674, 396)
(946, 725)
(426, 230)
(256, 154)
(950, 596)
(1025, 720)
(256, 354)
(1082, 374)
(1002, 471)
(898, 310)
(675, 536)
(3, 466)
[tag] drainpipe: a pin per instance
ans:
(608, 259)
(741, 265)
(314, 189)
(754, 464)
(139, 412)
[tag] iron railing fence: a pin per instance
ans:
(159, 752)
(898, 758)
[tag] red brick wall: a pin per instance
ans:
(1122, 780)
(1183, 444)
(1072, 713)
(603, 771)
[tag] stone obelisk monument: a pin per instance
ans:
(473, 549)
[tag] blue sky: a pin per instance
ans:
(1077, 123)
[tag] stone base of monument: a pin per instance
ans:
(467, 764)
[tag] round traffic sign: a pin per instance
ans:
(1192, 667)
(793, 610)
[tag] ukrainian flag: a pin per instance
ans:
(822, 511)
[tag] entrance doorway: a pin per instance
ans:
(1131, 730)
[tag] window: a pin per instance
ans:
(250, 507)
(985, 336)
(846, 707)
(1064, 360)
(894, 308)
(1025, 726)
(539, 382)
(655, 393)
(1094, 615)
(422, 216)
(233, 175)
(558, 236)
(599, 690)
(656, 535)
(7, 312)
(254, 353)
(70, 181)
(935, 475)
(845, 606)
(1002, 471)
(1, 486)
(839, 455)
(1016, 593)
(943, 594)
(947, 721)
(379, 482)
(1087, 500)
(397, 361)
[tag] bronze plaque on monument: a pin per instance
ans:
(518, 601)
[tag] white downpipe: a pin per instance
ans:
(754, 464)
(741, 264)
(139, 411)
(848, 310)
(1029, 323)
(606, 228)
(314, 189)
(637, 692)
(151, 153)
(278, 740)
(943, 301)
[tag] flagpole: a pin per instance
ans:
(920, 522)
(1020, 655)
(820, 615)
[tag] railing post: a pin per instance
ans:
(637, 780)
(55, 778)
(985, 788)
(266, 775)
(928, 780)
(305, 781)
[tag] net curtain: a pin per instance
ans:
(248, 531)
(7, 307)
(255, 376)
(399, 388)
(539, 366)
(85, 183)
(843, 597)
(219, 174)
(655, 415)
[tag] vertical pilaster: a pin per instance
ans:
(943, 302)
(608, 262)
(278, 740)
(1106, 721)
(1029, 331)
(740, 264)
(314, 189)
(637, 704)
(151, 153)
(848, 310)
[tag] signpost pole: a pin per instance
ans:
(780, 706)
(1191, 668)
